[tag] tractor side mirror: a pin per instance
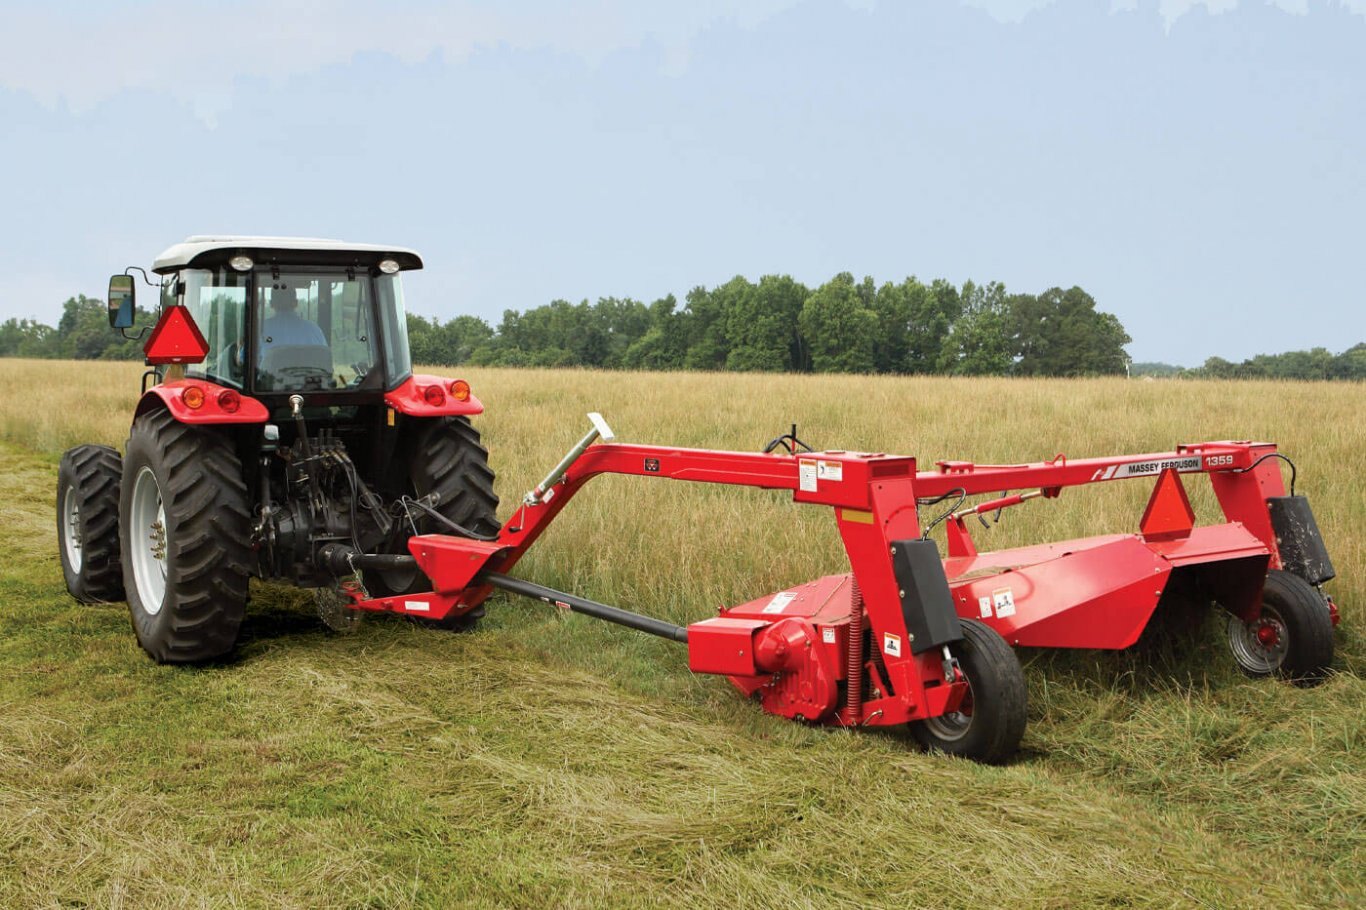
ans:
(122, 302)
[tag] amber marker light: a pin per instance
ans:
(460, 390)
(193, 396)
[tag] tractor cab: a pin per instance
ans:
(282, 316)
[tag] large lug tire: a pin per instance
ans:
(1292, 635)
(988, 725)
(449, 460)
(184, 528)
(88, 523)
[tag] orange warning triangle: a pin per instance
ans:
(1169, 513)
(176, 339)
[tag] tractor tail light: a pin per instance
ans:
(434, 395)
(460, 390)
(193, 396)
(229, 401)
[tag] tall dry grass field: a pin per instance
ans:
(552, 761)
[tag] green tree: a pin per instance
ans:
(704, 324)
(914, 321)
(979, 342)
(1351, 363)
(762, 324)
(840, 326)
(27, 338)
(1060, 333)
(664, 344)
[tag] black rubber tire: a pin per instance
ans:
(207, 554)
(447, 459)
(1303, 652)
(88, 478)
(989, 728)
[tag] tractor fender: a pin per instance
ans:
(172, 396)
(421, 395)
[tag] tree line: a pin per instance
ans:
(82, 333)
(775, 324)
(778, 324)
(1316, 363)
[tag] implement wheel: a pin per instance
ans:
(88, 523)
(448, 460)
(184, 529)
(1291, 637)
(988, 725)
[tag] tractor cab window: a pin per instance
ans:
(314, 331)
(217, 300)
(396, 353)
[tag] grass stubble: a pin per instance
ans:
(555, 761)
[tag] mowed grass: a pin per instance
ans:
(557, 761)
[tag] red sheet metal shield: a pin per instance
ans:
(176, 339)
(1096, 594)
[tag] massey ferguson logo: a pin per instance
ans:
(1147, 468)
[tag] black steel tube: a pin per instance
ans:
(587, 607)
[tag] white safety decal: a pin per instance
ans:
(779, 601)
(829, 470)
(828, 635)
(806, 476)
(1004, 602)
(984, 605)
(417, 606)
(891, 644)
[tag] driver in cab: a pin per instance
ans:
(286, 326)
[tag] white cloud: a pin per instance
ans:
(83, 55)
(1171, 10)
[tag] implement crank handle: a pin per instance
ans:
(600, 429)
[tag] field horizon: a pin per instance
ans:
(549, 760)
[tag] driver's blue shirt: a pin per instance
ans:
(290, 328)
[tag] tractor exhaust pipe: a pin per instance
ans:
(587, 607)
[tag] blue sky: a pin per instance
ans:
(1200, 168)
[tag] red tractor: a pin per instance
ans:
(281, 415)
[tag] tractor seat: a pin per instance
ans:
(287, 367)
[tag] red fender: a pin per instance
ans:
(421, 395)
(211, 411)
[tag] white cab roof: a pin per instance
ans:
(202, 250)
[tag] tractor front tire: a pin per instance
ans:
(184, 526)
(988, 725)
(88, 523)
(449, 460)
(1291, 637)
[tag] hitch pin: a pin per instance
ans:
(600, 429)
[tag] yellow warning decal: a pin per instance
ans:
(863, 518)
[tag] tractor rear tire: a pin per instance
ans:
(988, 725)
(184, 526)
(1291, 637)
(449, 460)
(88, 523)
